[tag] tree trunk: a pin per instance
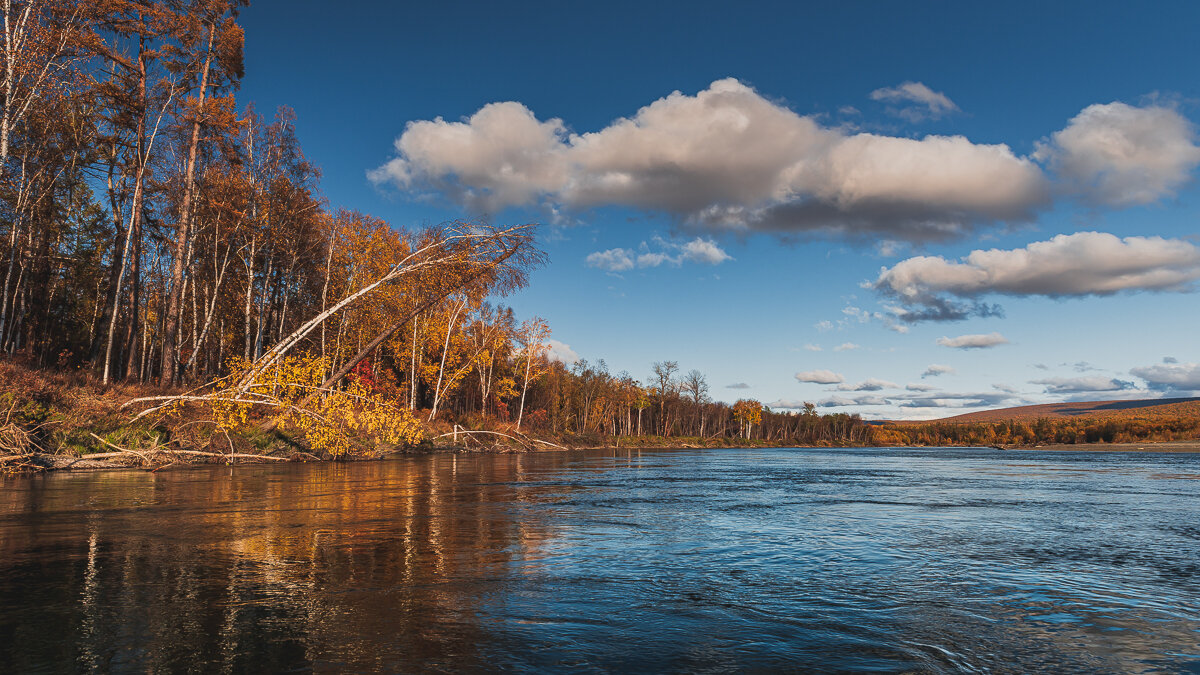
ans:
(170, 355)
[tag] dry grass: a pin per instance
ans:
(55, 412)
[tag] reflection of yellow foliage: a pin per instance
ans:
(328, 420)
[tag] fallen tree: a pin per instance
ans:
(289, 381)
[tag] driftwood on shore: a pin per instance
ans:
(149, 456)
(521, 439)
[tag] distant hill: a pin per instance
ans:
(1142, 409)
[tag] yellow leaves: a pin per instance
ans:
(506, 387)
(748, 411)
(330, 420)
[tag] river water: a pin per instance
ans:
(888, 560)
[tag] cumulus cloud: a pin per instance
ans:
(502, 155)
(820, 377)
(787, 404)
(725, 158)
(1079, 385)
(869, 384)
(1068, 265)
(812, 348)
(560, 351)
(986, 341)
(698, 250)
(925, 399)
(704, 251)
(612, 260)
(1170, 376)
(846, 347)
(915, 101)
(1119, 155)
(936, 369)
(943, 400)
(891, 249)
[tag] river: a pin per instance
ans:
(886, 560)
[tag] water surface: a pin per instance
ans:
(888, 560)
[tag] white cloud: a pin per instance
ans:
(973, 341)
(869, 384)
(787, 404)
(1120, 155)
(820, 377)
(936, 369)
(812, 348)
(698, 250)
(930, 104)
(1078, 385)
(919, 386)
(846, 346)
(725, 158)
(824, 325)
(560, 351)
(1170, 376)
(704, 251)
(1068, 265)
(501, 156)
(612, 260)
(891, 249)
(857, 313)
(944, 399)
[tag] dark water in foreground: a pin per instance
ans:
(686, 560)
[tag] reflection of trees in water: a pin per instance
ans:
(616, 559)
(361, 566)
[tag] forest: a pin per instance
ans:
(173, 277)
(162, 241)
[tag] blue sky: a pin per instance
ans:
(784, 197)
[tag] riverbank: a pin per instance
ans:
(164, 456)
(1165, 446)
(67, 421)
(40, 461)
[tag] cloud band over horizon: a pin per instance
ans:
(728, 159)
(1074, 265)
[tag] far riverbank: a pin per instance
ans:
(38, 462)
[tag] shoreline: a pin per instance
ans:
(37, 463)
(1181, 447)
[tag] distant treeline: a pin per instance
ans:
(585, 398)
(1045, 431)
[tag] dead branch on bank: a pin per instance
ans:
(525, 441)
(149, 456)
